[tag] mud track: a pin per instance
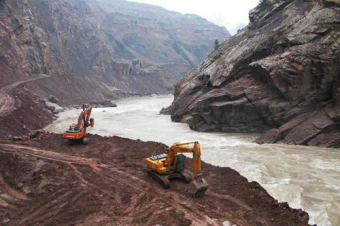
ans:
(105, 183)
(7, 102)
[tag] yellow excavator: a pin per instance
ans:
(171, 165)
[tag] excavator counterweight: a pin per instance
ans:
(171, 165)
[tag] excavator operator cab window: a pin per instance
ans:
(180, 166)
(158, 157)
(73, 129)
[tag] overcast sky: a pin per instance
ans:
(232, 14)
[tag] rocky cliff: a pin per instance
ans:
(279, 75)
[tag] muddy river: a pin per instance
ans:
(305, 177)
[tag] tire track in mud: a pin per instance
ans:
(177, 203)
(50, 155)
(36, 213)
(196, 216)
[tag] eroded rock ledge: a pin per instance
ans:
(279, 75)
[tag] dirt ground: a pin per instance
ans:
(21, 112)
(48, 182)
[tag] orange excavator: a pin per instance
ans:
(77, 132)
(171, 165)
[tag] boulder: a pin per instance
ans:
(166, 111)
(53, 99)
(332, 2)
(55, 108)
(16, 138)
(35, 134)
(103, 104)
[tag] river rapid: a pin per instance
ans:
(305, 177)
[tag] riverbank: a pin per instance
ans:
(105, 182)
(305, 177)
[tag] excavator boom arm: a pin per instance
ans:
(185, 148)
(83, 118)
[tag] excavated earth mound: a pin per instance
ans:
(280, 74)
(48, 182)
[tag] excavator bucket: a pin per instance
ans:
(199, 187)
(91, 122)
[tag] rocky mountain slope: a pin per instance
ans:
(175, 42)
(279, 75)
(92, 50)
(119, 43)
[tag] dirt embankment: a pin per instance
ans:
(48, 182)
(21, 112)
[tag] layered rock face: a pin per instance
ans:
(279, 75)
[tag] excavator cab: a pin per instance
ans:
(164, 167)
(180, 163)
(73, 128)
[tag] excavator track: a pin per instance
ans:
(187, 176)
(164, 180)
(160, 179)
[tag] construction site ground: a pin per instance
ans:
(46, 181)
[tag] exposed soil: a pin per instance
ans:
(7, 102)
(48, 182)
(21, 113)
